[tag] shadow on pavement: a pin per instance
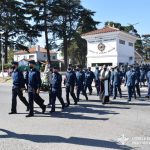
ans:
(133, 102)
(103, 106)
(59, 139)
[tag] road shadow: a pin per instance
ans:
(58, 139)
(104, 106)
(133, 103)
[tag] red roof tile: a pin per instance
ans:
(103, 30)
(33, 50)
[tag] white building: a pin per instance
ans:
(109, 46)
(36, 53)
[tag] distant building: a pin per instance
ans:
(36, 53)
(109, 46)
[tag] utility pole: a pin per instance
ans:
(2, 54)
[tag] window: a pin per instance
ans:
(109, 39)
(130, 58)
(130, 44)
(122, 42)
(31, 56)
(101, 64)
(53, 57)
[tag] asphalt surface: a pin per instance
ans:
(86, 126)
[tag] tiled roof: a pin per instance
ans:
(33, 50)
(103, 30)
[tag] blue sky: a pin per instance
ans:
(122, 11)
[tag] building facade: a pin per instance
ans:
(109, 46)
(36, 53)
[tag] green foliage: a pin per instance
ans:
(78, 46)
(16, 25)
(129, 28)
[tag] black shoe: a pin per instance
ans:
(86, 98)
(10, 113)
(29, 115)
(67, 105)
(63, 107)
(52, 111)
(75, 103)
(114, 97)
(44, 109)
(49, 104)
(120, 96)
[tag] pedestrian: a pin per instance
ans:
(148, 82)
(17, 88)
(88, 81)
(116, 82)
(56, 89)
(34, 84)
(130, 82)
(80, 76)
(97, 80)
(69, 82)
(91, 78)
(137, 80)
(142, 76)
(111, 84)
(104, 85)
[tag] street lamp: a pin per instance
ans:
(2, 54)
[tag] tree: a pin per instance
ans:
(78, 46)
(67, 13)
(40, 10)
(15, 25)
(146, 45)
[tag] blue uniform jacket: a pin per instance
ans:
(70, 78)
(130, 78)
(80, 78)
(88, 78)
(18, 80)
(148, 77)
(142, 74)
(34, 79)
(116, 78)
(97, 74)
(56, 82)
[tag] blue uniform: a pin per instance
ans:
(88, 81)
(116, 82)
(80, 76)
(18, 83)
(130, 82)
(148, 82)
(97, 81)
(137, 81)
(56, 90)
(70, 82)
(34, 83)
(142, 76)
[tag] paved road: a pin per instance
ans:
(87, 126)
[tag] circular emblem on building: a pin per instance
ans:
(101, 47)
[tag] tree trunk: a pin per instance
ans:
(6, 47)
(46, 34)
(65, 46)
